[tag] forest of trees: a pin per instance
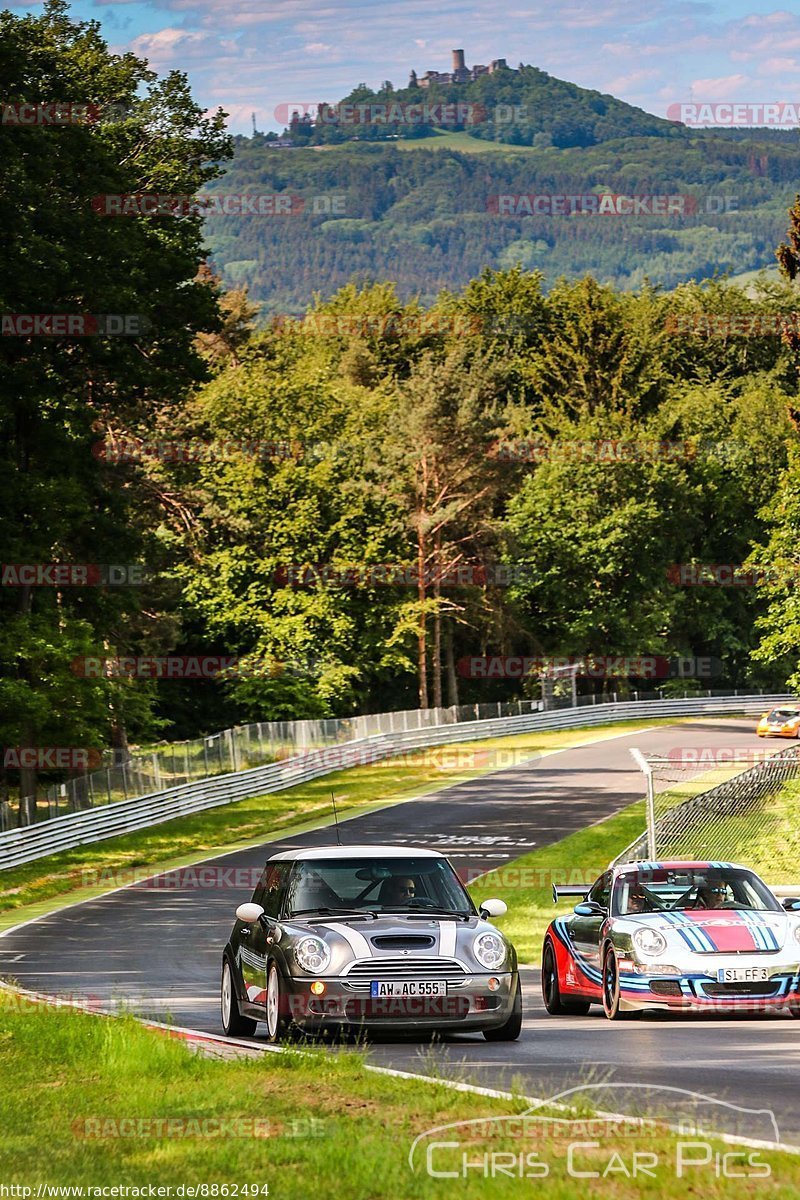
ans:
(351, 503)
(428, 218)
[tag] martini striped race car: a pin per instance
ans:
(673, 935)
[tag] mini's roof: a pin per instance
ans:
(313, 852)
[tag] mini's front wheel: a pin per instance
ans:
(233, 1023)
(277, 1021)
(510, 1030)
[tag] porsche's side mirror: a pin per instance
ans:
(249, 913)
(588, 908)
(791, 904)
(493, 908)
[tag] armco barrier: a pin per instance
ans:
(18, 846)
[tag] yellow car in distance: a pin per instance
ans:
(780, 722)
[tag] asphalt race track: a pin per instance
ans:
(157, 948)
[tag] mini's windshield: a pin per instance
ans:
(353, 885)
(665, 890)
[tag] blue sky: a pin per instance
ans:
(254, 56)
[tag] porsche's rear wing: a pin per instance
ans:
(570, 889)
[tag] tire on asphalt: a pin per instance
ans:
(277, 1021)
(510, 1030)
(611, 990)
(233, 1023)
(551, 992)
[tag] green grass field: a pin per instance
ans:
(103, 1102)
(99, 867)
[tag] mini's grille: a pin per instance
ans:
(418, 967)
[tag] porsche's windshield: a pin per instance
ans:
(665, 889)
(375, 886)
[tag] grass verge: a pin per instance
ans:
(99, 1102)
(42, 885)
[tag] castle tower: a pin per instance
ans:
(458, 61)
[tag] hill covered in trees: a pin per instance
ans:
(431, 216)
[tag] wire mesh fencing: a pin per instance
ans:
(238, 749)
(752, 816)
(173, 764)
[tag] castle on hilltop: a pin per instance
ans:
(460, 73)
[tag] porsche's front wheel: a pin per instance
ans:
(551, 991)
(233, 1023)
(612, 1003)
(277, 1021)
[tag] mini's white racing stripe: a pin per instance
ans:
(447, 939)
(357, 942)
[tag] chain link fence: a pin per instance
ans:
(752, 818)
(176, 763)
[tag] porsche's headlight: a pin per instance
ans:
(490, 950)
(649, 941)
(796, 932)
(312, 955)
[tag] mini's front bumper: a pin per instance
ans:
(469, 1005)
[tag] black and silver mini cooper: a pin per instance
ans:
(368, 936)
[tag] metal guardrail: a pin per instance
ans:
(240, 748)
(18, 846)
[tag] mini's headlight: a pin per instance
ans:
(312, 955)
(490, 950)
(796, 932)
(649, 941)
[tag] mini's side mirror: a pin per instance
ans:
(588, 908)
(791, 904)
(249, 913)
(493, 908)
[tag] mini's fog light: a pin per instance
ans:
(494, 984)
(317, 988)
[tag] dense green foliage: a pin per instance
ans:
(428, 219)
(359, 509)
(57, 256)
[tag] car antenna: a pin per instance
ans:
(336, 820)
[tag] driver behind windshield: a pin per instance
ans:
(637, 900)
(712, 894)
(400, 889)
